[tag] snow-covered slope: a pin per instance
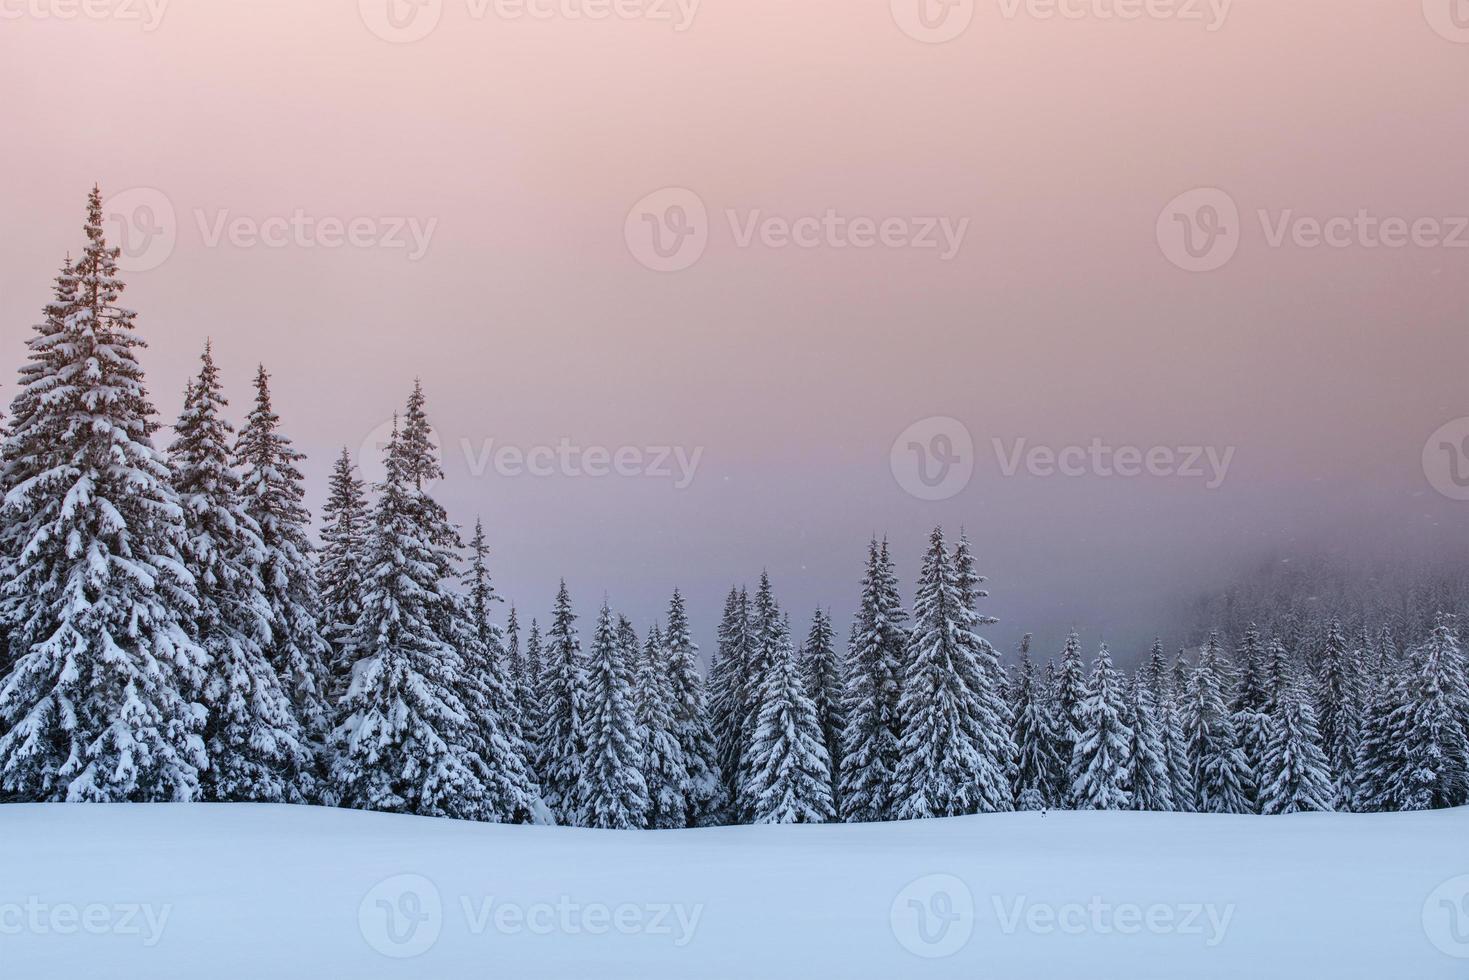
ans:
(267, 892)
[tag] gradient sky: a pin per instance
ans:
(1061, 319)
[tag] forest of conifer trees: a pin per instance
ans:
(171, 632)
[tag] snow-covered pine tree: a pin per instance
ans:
(1382, 748)
(271, 487)
(496, 739)
(872, 732)
(1038, 770)
(943, 769)
(729, 685)
(517, 677)
(1170, 726)
(257, 750)
(1338, 710)
(616, 796)
(705, 796)
(984, 676)
(1099, 762)
(1216, 761)
(339, 567)
(1294, 776)
(1250, 709)
(664, 773)
(533, 716)
(101, 703)
(403, 737)
(767, 632)
(1436, 743)
(789, 775)
(822, 670)
(1149, 783)
(1070, 693)
(563, 741)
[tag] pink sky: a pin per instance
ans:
(525, 142)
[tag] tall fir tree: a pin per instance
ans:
(1294, 776)
(1071, 692)
(339, 571)
(788, 779)
(1149, 781)
(533, 714)
(821, 670)
(665, 773)
(1165, 696)
(1338, 707)
(101, 703)
(256, 747)
(705, 796)
(767, 633)
(984, 676)
(564, 719)
(403, 737)
(271, 486)
(1099, 761)
(1039, 771)
(1437, 746)
(1250, 708)
(729, 689)
(616, 795)
(870, 740)
(1218, 765)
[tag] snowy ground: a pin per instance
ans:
(279, 892)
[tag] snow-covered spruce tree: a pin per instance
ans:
(1249, 708)
(1215, 758)
(789, 776)
(729, 690)
(1170, 727)
(495, 738)
(271, 486)
(705, 795)
(101, 703)
(533, 716)
(870, 739)
(403, 737)
(256, 747)
(522, 689)
(767, 632)
(943, 769)
(1099, 762)
(563, 742)
(1382, 748)
(1038, 770)
(989, 724)
(1070, 693)
(1338, 710)
(822, 670)
(339, 567)
(1149, 783)
(1294, 776)
(1436, 743)
(616, 796)
(664, 773)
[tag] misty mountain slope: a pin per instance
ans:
(249, 891)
